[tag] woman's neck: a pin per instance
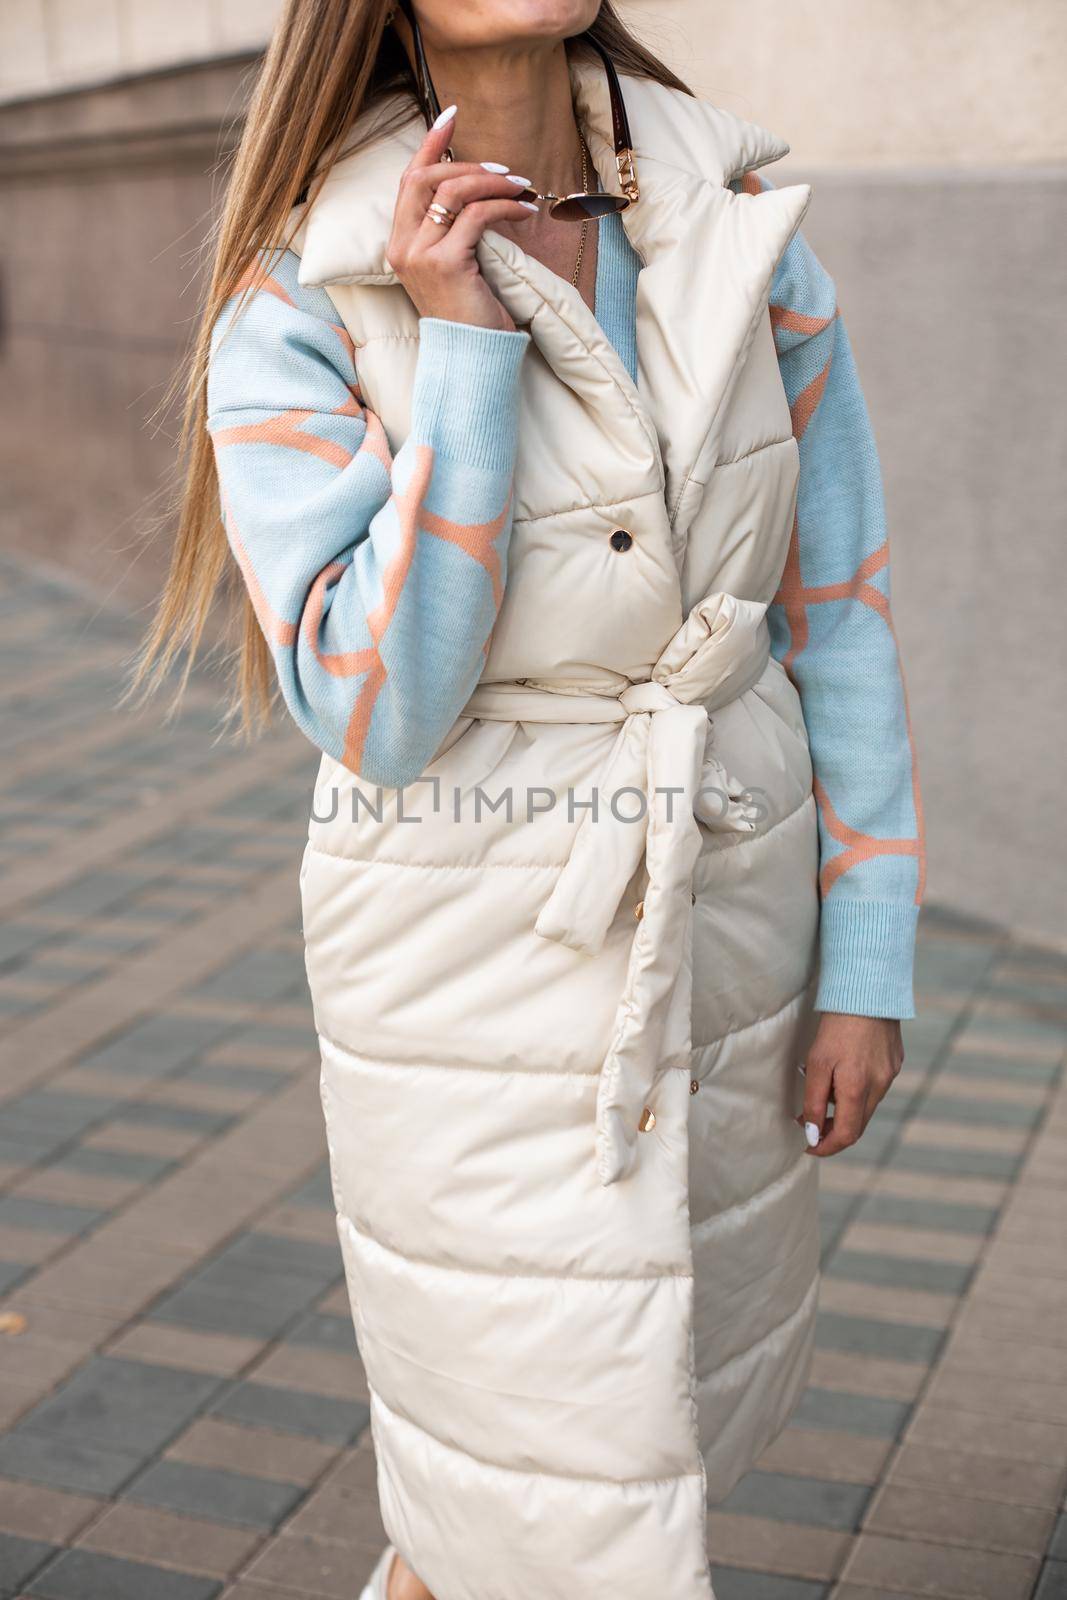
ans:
(515, 107)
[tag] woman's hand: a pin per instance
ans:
(852, 1061)
(437, 265)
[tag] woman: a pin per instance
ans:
(571, 531)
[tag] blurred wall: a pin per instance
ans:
(106, 194)
(879, 83)
(58, 44)
(884, 83)
(935, 136)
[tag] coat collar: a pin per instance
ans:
(708, 257)
(342, 237)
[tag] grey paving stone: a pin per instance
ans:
(54, 787)
(89, 895)
(265, 804)
(259, 976)
(57, 1112)
(65, 1463)
(12, 1272)
(901, 1272)
(146, 1382)
(833, 1221)
(217, 1494)
(192, 1307)
(1024, 954)
(1040, 992)
(54, 977)
(324, 1331)
(133, 1406)
(900, 1211)
(19, 1560)
(15, 1005)
(149, 1114)
(866, 1336)
(17, 939)
(23, 1211)
(30, 1146)
(292, 1411)
(259, 1285)
(157, 911)
(255, 1287)
(873, 1147)
(899, 1104)
(815, 1501)
(1052, 1585)
(36, 1142)
(316, 1191)
(927, 1035)
(851, 1413)
(834, 1206)
(11, 851)
(979, 1113)
(116, 939)
(1002, 1025)
(734, 1583)
(85, 1575)
(113, 1163)
(319, 1261)
(948, 1161)
(299, 1040)
(156, 1047)
(262, 1080)
(952, 964)
(1058, 1543)
(189, 844)
(1013, 1069)
(936, 918)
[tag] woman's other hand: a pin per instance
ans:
(437, 265)
(852, 1062)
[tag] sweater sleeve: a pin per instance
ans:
(376, 580)
(832, 630)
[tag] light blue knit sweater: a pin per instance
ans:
(377, 580)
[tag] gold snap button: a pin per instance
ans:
(648, 1120)
(694, 1086)
(639, 910)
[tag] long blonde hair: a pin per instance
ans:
(328, 61)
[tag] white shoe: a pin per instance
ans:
(377, 1587)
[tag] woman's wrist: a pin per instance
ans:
(867, 954)
(491, 318)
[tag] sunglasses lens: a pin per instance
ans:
(577, 207)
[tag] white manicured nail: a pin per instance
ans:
(528, 204)
(811, 1134)
(523, 183)
(446, 116)
(494, 166)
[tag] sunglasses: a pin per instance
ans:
(564, 207)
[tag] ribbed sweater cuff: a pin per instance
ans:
(466, 397)
(867, 957)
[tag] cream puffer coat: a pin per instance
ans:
(559, 1052)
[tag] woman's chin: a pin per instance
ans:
(504, 22)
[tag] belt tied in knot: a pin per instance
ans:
(659, 782)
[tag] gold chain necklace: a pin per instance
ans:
(585, 223)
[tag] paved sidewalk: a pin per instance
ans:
(184, 1409)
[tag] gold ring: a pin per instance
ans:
(441, 215)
